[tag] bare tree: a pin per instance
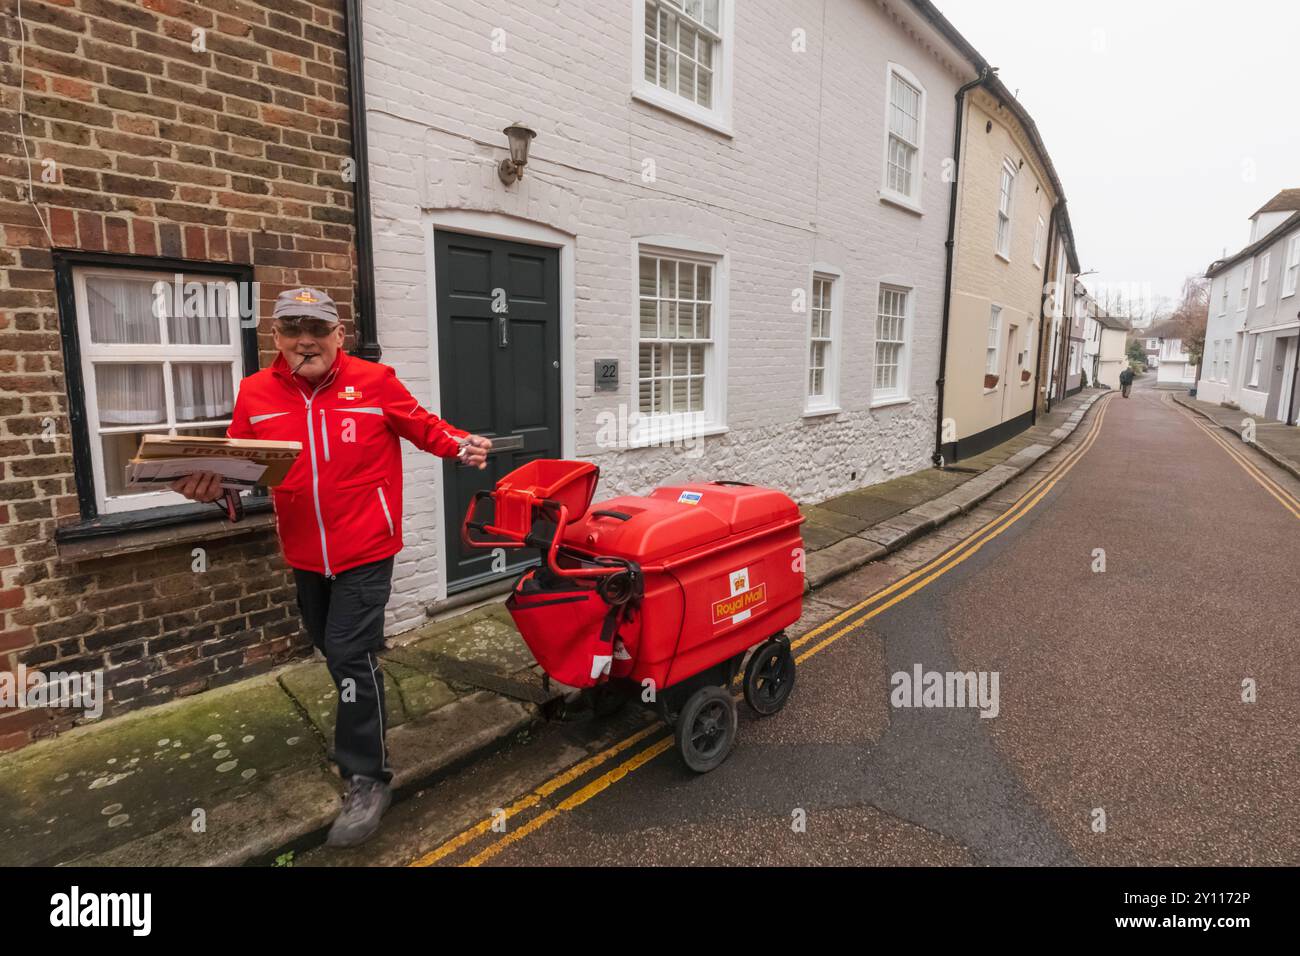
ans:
(1189, 317)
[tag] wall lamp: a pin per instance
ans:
(519, 137)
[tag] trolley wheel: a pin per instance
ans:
(769, 678)
(607, 700)
(706, 728)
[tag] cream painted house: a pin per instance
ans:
(1007, 191)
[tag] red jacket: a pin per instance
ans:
(341, 503)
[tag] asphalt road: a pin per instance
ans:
(1120, 695)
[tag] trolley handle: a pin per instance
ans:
(503, 540)
(552, 550)
(742, 484)
(551, 510)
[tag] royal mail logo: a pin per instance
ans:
(305, 296)
(739, 605)
(350, 393)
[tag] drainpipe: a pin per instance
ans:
(367, 333)
(937, 458)
(1063, 354)
(1042, 312)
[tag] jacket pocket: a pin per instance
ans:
(388, 514)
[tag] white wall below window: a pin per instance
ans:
(1253, 402)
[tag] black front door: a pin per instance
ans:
(499, 358)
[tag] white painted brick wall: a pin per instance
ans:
(796, 184)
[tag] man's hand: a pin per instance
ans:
(200, 486)
(474, 451)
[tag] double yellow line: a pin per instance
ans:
(905, 587)
(1284, 497)
(842, 624)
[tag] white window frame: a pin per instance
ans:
(1265, 262)
(1040, 233)
(912, 201)
(1002, 236)
(162, 353)
(900, 392)
(993, 353)
(719, 116)
(1291, 275)
(663, 428)
(1256, 361)
(1243, 300)
(1223, 302)
(829, 402)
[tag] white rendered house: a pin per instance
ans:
(1254, 323)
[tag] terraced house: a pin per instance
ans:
(684, 239)
(1011, 228)
(724, 257)
(183, 146)
(1254, 323)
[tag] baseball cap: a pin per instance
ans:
(311, 303)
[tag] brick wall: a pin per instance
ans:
(232, 153)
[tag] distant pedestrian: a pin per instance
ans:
(1126, 381)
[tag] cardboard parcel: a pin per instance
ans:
(242, 463)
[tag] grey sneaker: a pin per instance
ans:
(363, 806)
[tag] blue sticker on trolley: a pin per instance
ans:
(690, 497)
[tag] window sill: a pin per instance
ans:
(821, 411)
(901, 201)
(1004, 258)
(133, 531)
(895, 400)
(671, 434)
(990, 391)
(683, 108)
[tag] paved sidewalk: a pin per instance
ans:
(241, 774)
(1278, 442)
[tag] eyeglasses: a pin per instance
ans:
(293, 328)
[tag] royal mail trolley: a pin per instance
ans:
(668, 592)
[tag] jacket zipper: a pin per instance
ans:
(324, 435)
(387, 514)
(315, 475)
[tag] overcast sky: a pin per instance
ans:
(1169, 121)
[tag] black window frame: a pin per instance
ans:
(92, 523)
